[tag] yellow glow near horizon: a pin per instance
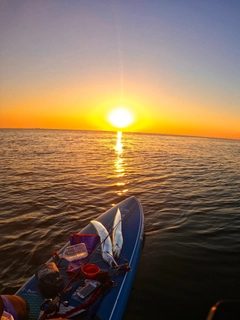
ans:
(120, 117)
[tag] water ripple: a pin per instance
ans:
(54, 182)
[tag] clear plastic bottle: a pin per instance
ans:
(75, 252)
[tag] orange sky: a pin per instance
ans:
(67, 65)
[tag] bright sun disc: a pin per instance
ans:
(120, 117)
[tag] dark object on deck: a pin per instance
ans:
(49, 280)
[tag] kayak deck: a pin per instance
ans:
(113, 303)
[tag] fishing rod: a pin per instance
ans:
(52, 305)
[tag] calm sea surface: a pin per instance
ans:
(54, 182)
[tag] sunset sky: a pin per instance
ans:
(174, 64)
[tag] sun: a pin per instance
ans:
(120, 117)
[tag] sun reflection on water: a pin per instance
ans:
(119, 163)
(118, 147)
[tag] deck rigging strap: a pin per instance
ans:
(92, 303)
(55, 303)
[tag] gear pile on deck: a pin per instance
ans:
(93, 284)
(89, 275)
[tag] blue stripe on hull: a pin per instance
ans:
(114, 303)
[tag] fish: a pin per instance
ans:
(117, 237)
(106, 243)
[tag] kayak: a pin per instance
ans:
(91, 276)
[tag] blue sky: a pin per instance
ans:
(176, 64)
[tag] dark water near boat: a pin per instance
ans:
(54, 182)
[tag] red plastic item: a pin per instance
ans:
(90, 270)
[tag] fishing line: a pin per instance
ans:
(74, 276)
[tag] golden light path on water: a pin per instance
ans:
(119, 168)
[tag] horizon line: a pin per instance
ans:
(127, 132)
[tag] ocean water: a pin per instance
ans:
(54, 182)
